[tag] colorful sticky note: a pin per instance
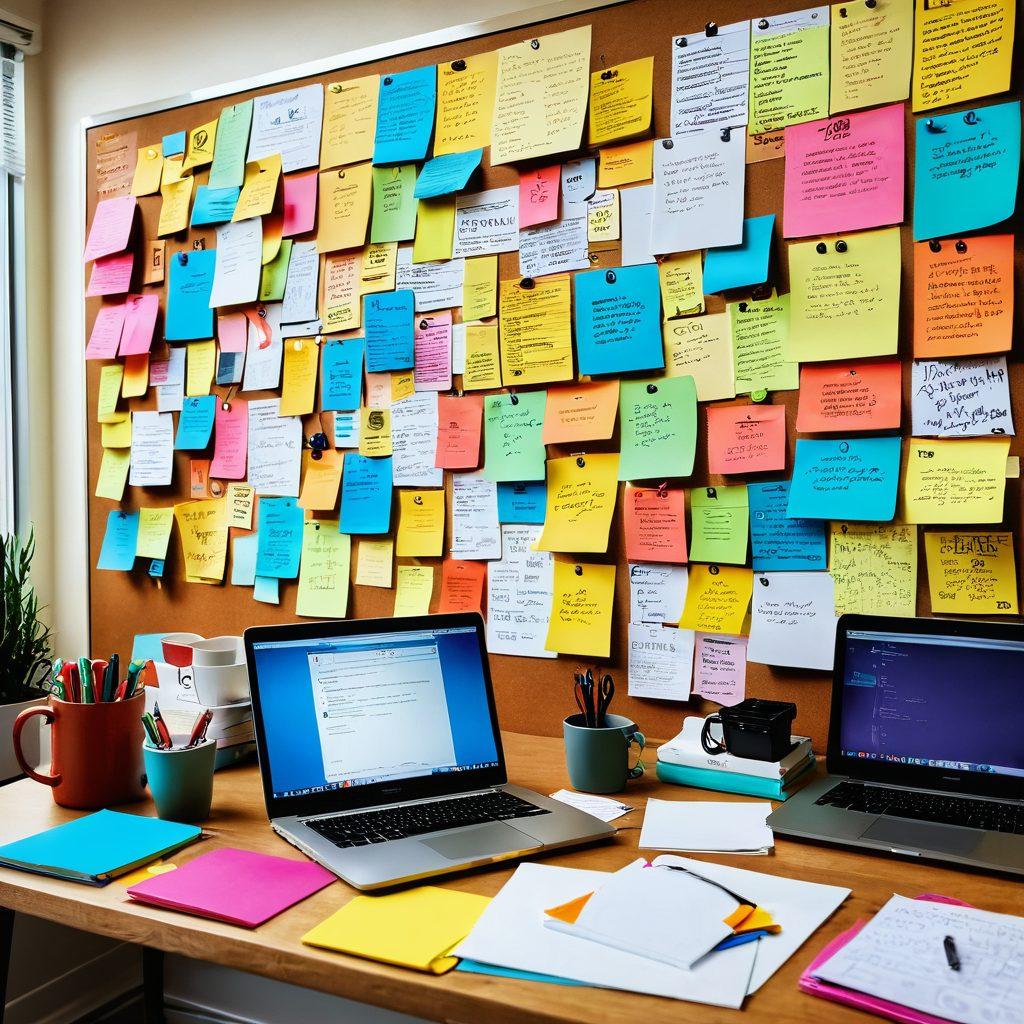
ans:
(465, 101)
(432, 352)
(298, 382)
(203, 532)
(719, 517)
(388, 326)
(448, 173)
(513, 426)
(736, 266)
(119, 541)
(366, 495)
(323, 571)
(200, 146)
(435, 229)
(462, 586)
(837, 397)
(420, 524)
(413, 590)
(479, 288)
(717, 598)
(654, 523)
(109, 392)
(228, 168)
(350, 120)
(341, 374)
(793, 620)
(189, 285)
(961, 397)
(111, 275)
(174, 144)
(202, 357)
(343, 200)
(682, 288)
(460, 422)
(536, 333)
(625, 164)
(280, 538)
(195, 424)
(394, 208)
(154, 532)
(720, 668)
(522, 502)
(779, 543)
(971, 573)
(620, 101)
(375, 432)
(853, 479)
(321, 481)
(581, 609)
(701, 347)
(870, 54)
(538, 195)
(658, 422)
(375, 563)
(111, 227)
(149, 166)
(746, 438)
(483, 365)
(604, 218)
(960, 481)
(581, 412)
(760, 336)
(874, 568)
(300, 193)
(113, 474)
(231, 440)
(405, 116)
(213, 205)
(581, 501)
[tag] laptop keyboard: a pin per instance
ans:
(990, 815)
(381, 826)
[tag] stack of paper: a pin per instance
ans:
(706, 827)
(599, 806)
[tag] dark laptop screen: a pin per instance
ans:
(952, 702)
(371, 708)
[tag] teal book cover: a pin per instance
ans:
(729, 782)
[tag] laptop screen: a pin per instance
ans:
(371, 708)
(931, 700)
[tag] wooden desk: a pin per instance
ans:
(537, 762)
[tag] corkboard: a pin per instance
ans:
(533, 694)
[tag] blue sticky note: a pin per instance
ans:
(476, 967)
(156, 568)
(446, 174)
(781, 544)
(214, 205)
(618, 320)
(341, 375)
(522, 502)
(189, 284)
(965, 172)
(195, 423)
(147, 647)
(174, 144)
(267, 589)
(243, 560)
(280, 538)
(387, 327)
(845, 479)
(365, 495)
(405, 116)
(735, 266)
(122, 534)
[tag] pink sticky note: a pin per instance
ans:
(111, 275)
(432, 352)
(237, 886)
(231, 440)
(111, 228)
(139, 323)
(106, 332)
(378, 390)
(232, 331)
(538, 196)
(845, 173)
(720, 668)
(746, 438)
(299, 203)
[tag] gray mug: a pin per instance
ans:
(598, 759)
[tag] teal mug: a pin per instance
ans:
(598, 759)
(181, 780)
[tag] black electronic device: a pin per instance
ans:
(755, 729)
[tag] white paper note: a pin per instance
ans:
(434, 285)
(476, 533)
(487, 222)
(579, 179)
(414, 441)
(710, 78)
(704, 826)
(636, 205)
(346, 429)
(554, 248)
(961, 397)
(793, 622)
(657, 593)
(152, 457)
(597, 806)
(300, 289)
(275, 449)
(262, 357)
(236, 275)
(660, 661)
(519, 594)
(288, 123)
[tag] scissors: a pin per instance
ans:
(583, 690)
(603, 694)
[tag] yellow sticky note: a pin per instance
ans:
(199, 367)
(414, 587)
(536, 331)
(172, 168)
(971, 573)
(620, 101)
(341, 303)
(623, 165)
(682, 285)
(581, 609)
(271, 247)
(874, 566)
(603, 216)
(760, 335)
(344, 207)
(154, 532)
(136, 376)
(788, 72)
(480, 287)
(420, 524)
(581, 497)
(108, 393)
(844, 303)
(117, 433)
(701, 347)
(962, 50)
(323, 570)
(203, 530)
(435, 230)
(240, 498)
(375, 562)
(717, 598)
(465, 103)
(483, 369)
(350, 121)
(149, 168)
(174, 209)
(961, 481)
(298, 376)
(113, 473)
(199, 145)
(377, 267)
(375, 432)
(321, 481)
(403, 384)
(259, 188)
(871, 52)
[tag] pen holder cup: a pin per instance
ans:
(181, 780)
(598, 759)
(96, 758)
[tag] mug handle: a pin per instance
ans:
(19, 725)
(641, 741)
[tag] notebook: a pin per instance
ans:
(237, 886)
(98, 847)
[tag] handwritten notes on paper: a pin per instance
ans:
(659, 427)
(420, 524)
(654, 522)
(405, 116)
(657, 593)
(961, 397)
(871, 54)
(710, 75)
(760, 337)
(475, 529)
(746, 439)
(718, 520)
(620, 101)
(778, 542)
(323, 571)
(465, 103)
(581, 609)
(581, 501)
(793, 620)
(958, 481)
(581, 412)
(874, 568)
(512, 436)
(519, 593)
(720, 668)
(701, 347)
(486, 222)
(971, 573)
(717, 599)
(350, 120)
(853, 479)
(660, 661)
(535, 331)
(837, 397)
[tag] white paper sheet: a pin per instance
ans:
(657, 593)
(434, 285)
(635, 206)
(152, 456)
(961, 397)
(300, 290)
(476, 533)
(519, 594)
(486, 222)
(705, 826)
(288, 123)
(262, 360)
(554, 248)
(710, 78)
(346, 429)
(414, 441)
(793, 622)
(579, 179)
(236, 274)
(597, 806)
(275, 449)
(660, 661)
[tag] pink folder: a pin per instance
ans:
(860, 1000)
(237, 886)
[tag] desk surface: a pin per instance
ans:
(275, 951)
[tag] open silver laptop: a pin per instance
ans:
(926, 743)
(380, 752)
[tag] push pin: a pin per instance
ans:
(318, 444)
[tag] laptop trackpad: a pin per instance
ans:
(923, 834)
(481, 841)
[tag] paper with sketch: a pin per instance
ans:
(519, 590)
(705, 826)
(961, 397)
(875, 568)
(487, 222)
(414, 440)
(657, 593)
(710, 75)
(152, 459)
(288, 123)
(275, 449)
(793, 622)
(660, 661)
(475, 529)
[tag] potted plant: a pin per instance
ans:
(24, 650)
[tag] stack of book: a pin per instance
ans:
(684, 761)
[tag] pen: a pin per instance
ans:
(952, 957)
(85, 680)
(112, 678)
(151, 731)
(69, 673)
(199, 729)
(161, 725)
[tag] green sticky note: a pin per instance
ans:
(760, 338)
(275, 274)
(394, 204)
(720, 518)
(513, 446)
(229, 148)
(659, 428)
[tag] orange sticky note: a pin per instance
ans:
(462, 586)
(538, 195)
(849, 396)
(623, 165)
(746, 438)
(136, 375)
(459, 421)
(298, 388)
(963, 296)
(655, 524)
(580, 412)
(322, 481)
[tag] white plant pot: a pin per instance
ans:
(9, 768)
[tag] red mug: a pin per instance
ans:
(96, 751)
